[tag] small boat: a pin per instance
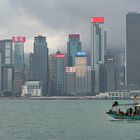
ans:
(132, 112)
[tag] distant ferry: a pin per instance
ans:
(132, 112)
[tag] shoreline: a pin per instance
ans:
(58, 98)
(50, 98)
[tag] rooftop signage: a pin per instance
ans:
(70, 69)
(18, 39)
(97, 20)
(74, 36)
(60, 55)
(82, 53)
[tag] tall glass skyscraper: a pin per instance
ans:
(18, 63)
(6, 50)
(40, 62)
(110, 73)
(60, 73)
(73, 46)
(97, 47)
(18, 53)
(132, 51)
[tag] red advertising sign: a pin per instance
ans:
(97, 20)
(74, 36)
(18, 39)
(60, 56)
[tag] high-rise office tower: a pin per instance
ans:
(73, 46)
(90, 81)
(110, 73)
(31, 67)
(52, 74)
(41, 62)
(60, 73)
(6, 50)
(132, 50)
(97, 47)
(105, 42)
(18, 63)
(120, 75)
(82, 86)
(70, 80)
(18, 53)
(102, 78)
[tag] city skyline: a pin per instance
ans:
(31, 22)
(69, 69)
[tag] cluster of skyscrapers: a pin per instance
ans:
(71, 73)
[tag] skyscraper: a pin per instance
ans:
(18, 52)
(31, 67)
(132, 71)
(60, 73)
(120, 75)
(70, 80)
(82, 85)
(18, 63)
(6, 49)
(97, 47)
(41, 62)
(110, 73)
(52, 74)
(73, 46)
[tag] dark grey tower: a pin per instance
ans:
(110, 73)
(73, 46)
(132, 49)
(41, 62)
(6, 48)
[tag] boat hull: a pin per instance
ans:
(124, 117)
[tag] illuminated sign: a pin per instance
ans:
(81, 53)
(110, 59)
(70, 69)
(74, 36)
(18, 39)
(60, 55)
(97, 20)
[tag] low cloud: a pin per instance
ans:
(57, 18)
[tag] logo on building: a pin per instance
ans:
(18, 39)
(82, 53)
(97, 20)
(70, 69)
(60, 56)
(74, 36)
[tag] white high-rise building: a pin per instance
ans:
(97, 48)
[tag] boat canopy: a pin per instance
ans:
(138, 105)
(126, 104)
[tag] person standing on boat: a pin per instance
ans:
(130, 111)
(114, 104)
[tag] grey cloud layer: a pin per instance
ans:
(74, 15)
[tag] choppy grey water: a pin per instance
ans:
(62, 120)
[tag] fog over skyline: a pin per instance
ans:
(55, 19)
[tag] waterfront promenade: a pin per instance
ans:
(50, 98)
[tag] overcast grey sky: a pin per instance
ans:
(55, 19)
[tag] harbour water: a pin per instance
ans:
(62, 120)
